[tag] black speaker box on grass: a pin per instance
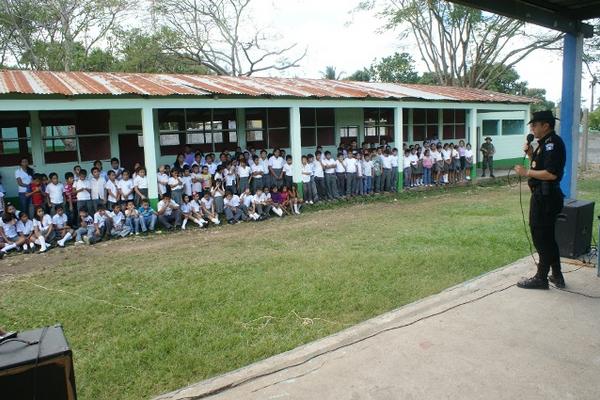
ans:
(573, 230)
(40, 366)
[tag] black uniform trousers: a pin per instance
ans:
(543, 211)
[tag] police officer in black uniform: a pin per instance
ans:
(547, 168)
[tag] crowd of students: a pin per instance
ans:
(202, 190)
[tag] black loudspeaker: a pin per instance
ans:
(573, 230)
(37, 364)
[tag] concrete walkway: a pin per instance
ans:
(504, 343)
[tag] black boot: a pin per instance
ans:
(538, 281)
(557, 277)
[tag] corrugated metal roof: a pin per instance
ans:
(115, 84)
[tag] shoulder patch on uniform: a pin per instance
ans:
(549, 146)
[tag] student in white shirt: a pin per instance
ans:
(187, 213)
(125, 186)
(55, 191)
(329, 165)
(340, 172)
(386, 177)
(98, 190)
(276, 163)
(133, 218)
(25, 230)
(44, 229)
(196, 179)
(247, 206)
(319, 176)
(168, 212)
(367, 167)
(288, 172)
(112, 189)
(23, 176)
(306, 186)
(163, 180)
(115, 167)
(257, 174)
(350, 164)
(186, 180)
(83, 189)
(264, 163)
(140, 186)
(208, 209)
(243, 172)
(468, 161)
(261, 204)
(61, 226)
(119, 226)
(394, 162)
(233, 211)
(218, 194)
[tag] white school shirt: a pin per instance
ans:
(196, 186)
(386, 162)
(111, 189)
(413, 159)
(84, 194)
(350, 164)
(259, 199)
(97, 185)
(99, 219)
(264, 164)
(339, 167)
(194, 206)
(229, 178)
(207, 203)
(306, 169)
(330, 165)
(60, 221)
(175, 181)
(163, 180)
(25, 178)
(445, 154)
(394, 161)
(10, 230)
(359, 169)
(140, 182)
(168, 211)
(187, 184)
(406, 161)
(287, 170)
(468, 154)
(455, 154)
(233, 202)
(126, 186)
(212, 168)
(259, 169)
(367, 168)
(55, 192)
(318, 169)
(118, 172)
(247, 199)
(276, 162)
(26, 228)
(185, 208)
(244, 172)
(436, 156)
(118, 219)
(43, 225)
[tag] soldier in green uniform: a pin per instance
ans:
(488, 151)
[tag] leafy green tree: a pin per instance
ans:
(595, 120)
(398, 67)
(540, 95)
(361, 75)
(331, 73)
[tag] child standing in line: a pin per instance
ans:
(288, 173)
(71, 199)
(206, 179)
(140, 186)
(257, 174)
(176, 185)
(116, 168)
(468, 161)
(55, 191)
(83, 191)
(218, 193)
(148, 216)
(187, 181)
(340, 172)
(229, 178)
(427, 167)
(98, 191)
(132, 218)
(112, 190)
(119, 227)
(306, 186)
(367, 170)
(25, 231)
(35, 192)
(406, 169)
(44, 229)
(243, 172)
(209, 212)
(196, 179)
(86, 230)
(394, 162)
(125, 186)
(61, 226)
(163, 180)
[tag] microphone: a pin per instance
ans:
(530, 138)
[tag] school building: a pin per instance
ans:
(60, 119)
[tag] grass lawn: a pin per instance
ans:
(148, 315)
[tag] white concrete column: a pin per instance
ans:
(473, 139)
(150, 153)
(37, 144)
(398, 124)
(295, 144)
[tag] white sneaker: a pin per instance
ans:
(60, 243)
(183, 227)
(80, 242)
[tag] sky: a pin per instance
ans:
(350, 41)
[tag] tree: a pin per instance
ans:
(396, 68)
(361, 75)
(507, 82)
(595, 120)
(44, 31)
(331, 73)
(540, 95)
(461, 45)
(217, 34)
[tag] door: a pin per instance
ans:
(130, 150)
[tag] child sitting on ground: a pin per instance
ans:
(44, 230)
(132, 218)
(119, 227)
(86, 230)
(207, 203)
(61, 226)
(102, 221)
(148, 216)
(233, 212)
(25, 230)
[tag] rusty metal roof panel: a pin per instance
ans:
(115, 84)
